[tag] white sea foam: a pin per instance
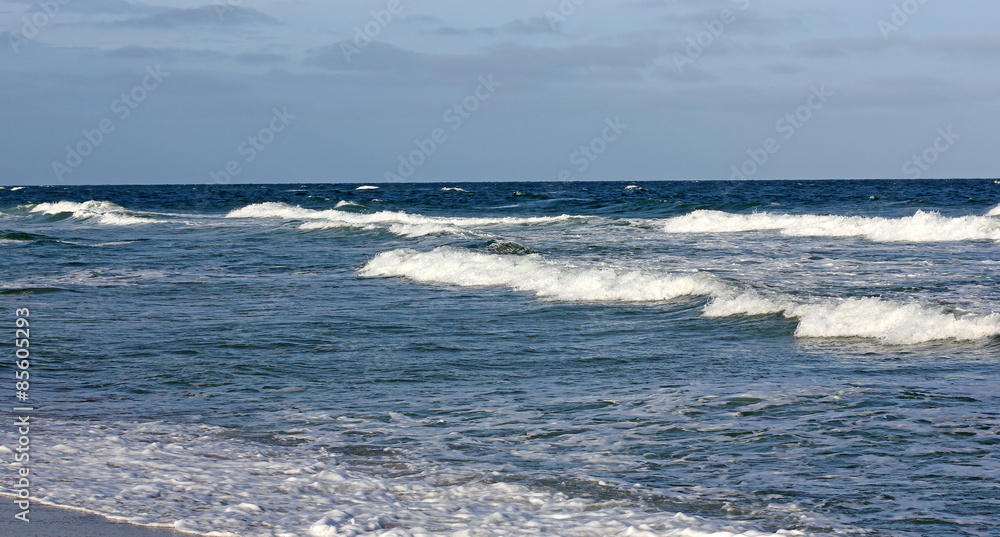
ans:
(887, 321)
(399, 223)
(16, 188)
(103, 212)
(532, 273)
(891, 322)
(994, 211)
(453, 189)
(921, 227)
(747, 302)
(199, 480)
(367, 187)
(345, 203)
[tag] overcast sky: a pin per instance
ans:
(140, 91)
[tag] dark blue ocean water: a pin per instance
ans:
(514, 358)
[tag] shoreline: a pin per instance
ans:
(57, 521)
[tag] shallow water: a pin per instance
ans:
(515, 359)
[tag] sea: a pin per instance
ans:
(701, 358)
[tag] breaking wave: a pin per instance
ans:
(532, 273)
(887, 321)
(921, 227)
(399, 223)
(103, 212)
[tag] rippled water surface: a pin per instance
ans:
(814, 358)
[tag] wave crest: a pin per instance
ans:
(532, 273)
(883, 320)
(103, 212)
(399, 223)
(921, 227)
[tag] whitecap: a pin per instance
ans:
(891, 322)
(534, 274)
(103, 212)
(886, 321)
(367, 187)
(921, 227)
(399, 223)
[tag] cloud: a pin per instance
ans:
(985, 46)
(528, 26)
(648, 4)
(98, 7)
(533, 25)
(260, 58)
(420, 19)
(165, 54)
(749, 21)
(784, 68)
(207, 15)
(843, 46)
(591, 62)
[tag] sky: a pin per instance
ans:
(273, 91)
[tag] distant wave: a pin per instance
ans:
(367, 187)
(399, 223)
(103, 212)
(921, 227)
(886, 321)
(453, 189)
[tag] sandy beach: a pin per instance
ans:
(47, 521)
